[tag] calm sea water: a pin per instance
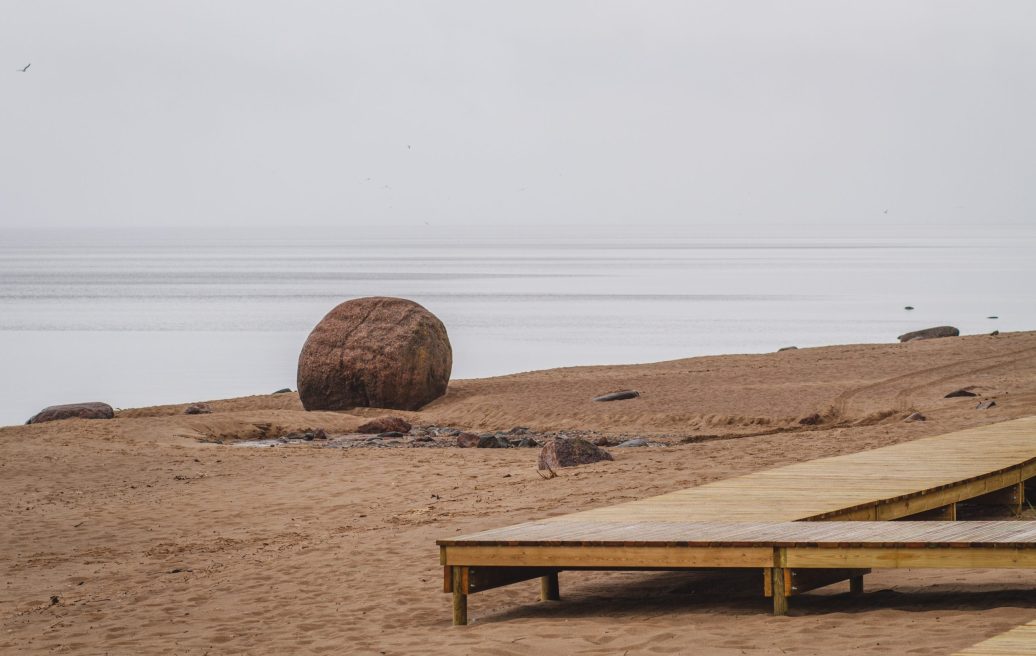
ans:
(138, 318)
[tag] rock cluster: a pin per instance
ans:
(385, 425)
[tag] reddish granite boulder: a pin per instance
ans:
(92, 410)
(569, 452)
(385, 425)
(375, 352)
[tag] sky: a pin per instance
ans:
(587, 113)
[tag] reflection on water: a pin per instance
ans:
(142, 318)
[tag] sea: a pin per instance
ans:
(139, 317)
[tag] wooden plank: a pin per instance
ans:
(620, 556)
(944, 558)
(799, 581)
(480, 579)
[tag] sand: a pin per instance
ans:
(139, 535)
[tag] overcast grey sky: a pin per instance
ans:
(222, 113)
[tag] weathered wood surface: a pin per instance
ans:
(1019, 641)
(736, 535)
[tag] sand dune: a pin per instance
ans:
(155, 540)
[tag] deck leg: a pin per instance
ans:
(780, 595)
(549, 589)
(856, 584)
(460, 598)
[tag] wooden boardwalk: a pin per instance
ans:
(923, 479)
(1019, 641)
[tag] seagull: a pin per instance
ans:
(26, 67)
(884, 211)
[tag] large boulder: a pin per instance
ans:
(569, 452)
(91, 410)
(375, 352)
(930, 333)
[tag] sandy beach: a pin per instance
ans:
(153, 533)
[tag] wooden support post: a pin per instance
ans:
(549, 589)
(460, 597)
(856, 585)
(780, 594)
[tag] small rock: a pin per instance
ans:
(285, 390)
(91, 410)
(569, 452)
(617, 396)
(54, 600)
(197, 409)
(788, 348)
(307, 437)
(961, 392)
(993, 317)
(909, 307)
(319, 434)
(602, 441)
(930, 333)
(467, 440)
(917, 416)
(994, 333)
(424, 438)
(812, 420)
(985, 405)
(385, 425)
(527, 443)
(449, 432)
(637, 441)
(390, 434)
(518, 430)
(493, 442)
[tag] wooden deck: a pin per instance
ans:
(1019, 641)
(923, 479)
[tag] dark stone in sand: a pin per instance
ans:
(384, 425)
(390, 434)
(930, 333)
(319, 434)
(985, 405)
(961, 392)
(285, 390)
(527, 443)
(467, 440)
(618, 396)
(570, 452)
(493, 442)
(917, 416)
(788, 348)
(518, 430)
(994, 333)
(637, 441)
(197, 409)
(812, 420)
(602, 441)
(91, 410)
(375, 352)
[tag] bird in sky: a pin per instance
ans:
(26, 67)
